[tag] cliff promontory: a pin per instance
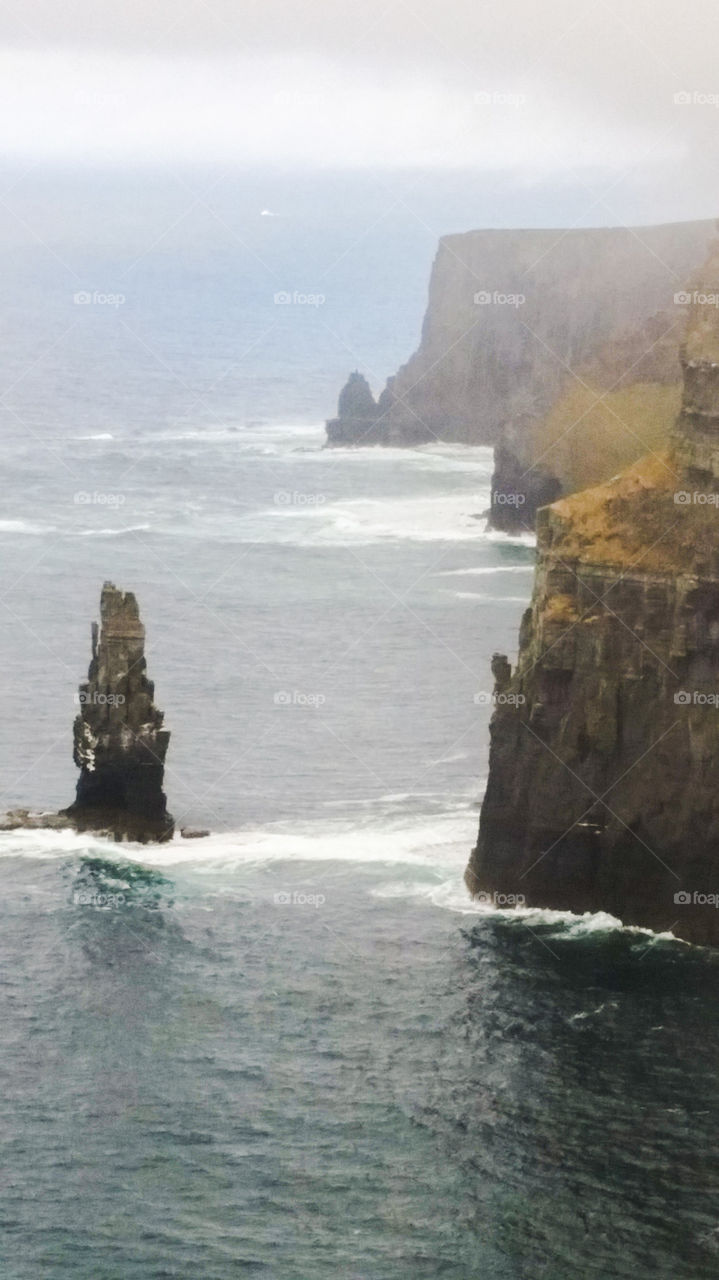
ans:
(603, 790)
(523, 324)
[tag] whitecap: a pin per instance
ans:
(486, 569)
(110, 533)
(24, 526)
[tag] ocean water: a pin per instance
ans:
(295, 1049)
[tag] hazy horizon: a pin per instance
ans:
(603, 96)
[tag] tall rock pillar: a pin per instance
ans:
(119, 740)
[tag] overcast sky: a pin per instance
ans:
(536, 86)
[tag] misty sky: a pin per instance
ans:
(564, 86)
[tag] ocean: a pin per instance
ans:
(294, 1049)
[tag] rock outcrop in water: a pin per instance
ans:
(603, 791)
(119, 740)
(511, 314)
(362, 420)
(119, 743)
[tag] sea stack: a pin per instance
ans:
(603, 790)
(119, 740)
(362, 420)
(358, 415)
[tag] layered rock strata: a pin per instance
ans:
(120, 743)
(612, 409)
(518, 319)
(603, 790)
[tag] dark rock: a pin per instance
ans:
(22, 819)
(598, 309)
(356, 399)
(603, 790)
(193, 833)
(518, 491)
(119, 740)
(363, 421)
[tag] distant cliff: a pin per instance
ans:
(603, 789)
(512, 316)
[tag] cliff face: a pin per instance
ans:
(603, 790)
(620, 404)
(510, 315)
(119, 742)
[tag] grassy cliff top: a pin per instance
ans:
(591, 433)
(635, 519)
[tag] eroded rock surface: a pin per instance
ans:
(119, 739)
(603, 789)
(512, 316)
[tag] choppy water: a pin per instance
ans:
(296, 1050)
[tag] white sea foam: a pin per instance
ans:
(439, 841)
(110, 533)
(25, 526)
(486, 570)
(425, 860)
(487, 599)
(477, 459)
(365, 520)
(452, 895)
(511, 539)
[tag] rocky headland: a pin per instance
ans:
(602, 791)
(119, 742)
(534, 341)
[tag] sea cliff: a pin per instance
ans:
(603, 790)
(518, 322)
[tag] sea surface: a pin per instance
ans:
(294, 1049)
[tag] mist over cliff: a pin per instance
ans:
(516, 321)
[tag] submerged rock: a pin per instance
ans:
(23, 819)
(603, 790)
(119, 740)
